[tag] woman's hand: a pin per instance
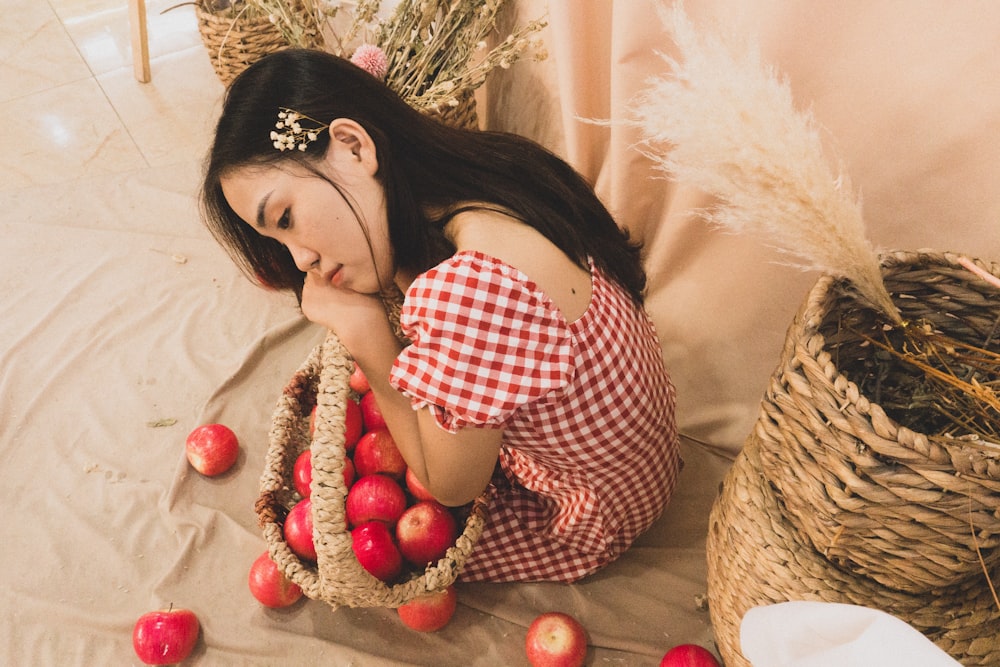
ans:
(358, 319)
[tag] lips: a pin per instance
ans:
(336, 276)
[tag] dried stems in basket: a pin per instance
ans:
(726, 124)
(300, 22)
(431, 52)
(437, 51)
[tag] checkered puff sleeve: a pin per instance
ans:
(485, 342)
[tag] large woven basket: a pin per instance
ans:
(336, 577)
(235, 40)
(833, 499)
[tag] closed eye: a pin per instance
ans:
(285, 221)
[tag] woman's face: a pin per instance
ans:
(344, 246)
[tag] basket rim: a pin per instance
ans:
(816, 307)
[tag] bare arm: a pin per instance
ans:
(455, 468)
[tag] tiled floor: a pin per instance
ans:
(74, 109)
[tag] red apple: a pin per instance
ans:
(298, 530)
(430, 612)
(370, 412)
(353, 424)
(556, 639)
(689, 655)
(425, 532)
(375, 498)
(212, 449)
(418, 490)
(376, 452)
(302, 473)
(358, 382)
(166, 636)
(349, 472)
(270, 585)
(373, 546)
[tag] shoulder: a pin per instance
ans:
(531, 253)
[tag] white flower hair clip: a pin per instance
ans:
(289, 134)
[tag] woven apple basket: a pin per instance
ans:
(336, 577)
(831, 499)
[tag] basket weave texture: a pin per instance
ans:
(831, 499)
(757, 557)
(234, 42)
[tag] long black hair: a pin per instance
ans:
(424, 165)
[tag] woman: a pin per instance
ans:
(532, 365)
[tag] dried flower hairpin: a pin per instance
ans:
(290, 135)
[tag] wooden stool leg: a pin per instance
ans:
(140, 43)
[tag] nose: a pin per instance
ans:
(304, 258)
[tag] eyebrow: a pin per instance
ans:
(260, 209)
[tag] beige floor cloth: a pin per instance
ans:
(123, 326)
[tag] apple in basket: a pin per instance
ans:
(556, 639)
(376, 452)
(370, 412)
(374, 498)
(166, 636)
(431, 612)
(270, 585)
(212, 449)
(689, 655)
(358, 382)
(374, 548)
(353, 424)
(418, 490)
(298, 530)
(425, 532)
(302, 473)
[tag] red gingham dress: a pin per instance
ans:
(589, 457)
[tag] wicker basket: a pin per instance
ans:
(337, 577)
(832, 499)
(235, 41)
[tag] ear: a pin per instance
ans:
(350, 143)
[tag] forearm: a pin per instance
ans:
(375, 359)
(454, 467)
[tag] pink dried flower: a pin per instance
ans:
(371, 59)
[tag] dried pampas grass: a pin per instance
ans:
(725, 123)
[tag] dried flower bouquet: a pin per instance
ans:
(432, 52)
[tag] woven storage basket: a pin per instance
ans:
(875, 497)
(235, 41)
(757, 557)
(831, 499)
(337, 577)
